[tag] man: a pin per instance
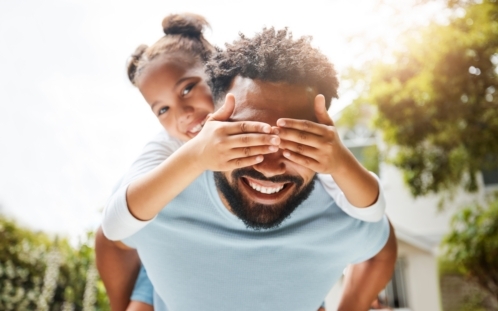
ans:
(268, 237)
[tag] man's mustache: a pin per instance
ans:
(252, 173)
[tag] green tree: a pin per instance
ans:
(437, 99)
(436, 103)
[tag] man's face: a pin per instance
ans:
(265, 194)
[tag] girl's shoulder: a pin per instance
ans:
(163, 137)
(163, 141)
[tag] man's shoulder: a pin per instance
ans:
(368, 237)
(319, 195)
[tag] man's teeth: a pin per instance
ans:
(266, 190)
(196, 128)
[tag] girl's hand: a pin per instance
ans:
(224, 145)
(316, 146)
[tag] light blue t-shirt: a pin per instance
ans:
(199, 256)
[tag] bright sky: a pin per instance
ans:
(71, 123)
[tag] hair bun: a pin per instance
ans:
(186, 24)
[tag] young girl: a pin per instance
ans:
(170, 75)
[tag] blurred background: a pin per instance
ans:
(418, 105)
(71, 122)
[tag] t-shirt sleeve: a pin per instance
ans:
(372, 213)
(117, 222)
(143, 290)
(375, 236)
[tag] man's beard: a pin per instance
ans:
(256, 215)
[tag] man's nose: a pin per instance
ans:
(184, 113)
(272, 165)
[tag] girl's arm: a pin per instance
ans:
(118, 223)
(318, 147)
(219, 146)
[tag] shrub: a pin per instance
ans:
(38, 272)
(472, 245)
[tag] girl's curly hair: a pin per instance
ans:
(183, 36)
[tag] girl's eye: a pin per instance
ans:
(188, 89)
(163, 110)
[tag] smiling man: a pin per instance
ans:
(264, 195)
(268, 236)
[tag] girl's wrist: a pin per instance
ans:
(193, 155)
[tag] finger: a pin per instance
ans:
(252, 151)
(321, 112)
(301, 137)
(304, 150)
(301, 160)
(250, 139)
(225, 111)
(234, 128)
(243, 162)
(302, 125)
(208, 117)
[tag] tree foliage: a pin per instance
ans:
(38, 272)
(437, 100)
(436, 103)
(472, 245)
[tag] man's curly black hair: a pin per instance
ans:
(273, 56)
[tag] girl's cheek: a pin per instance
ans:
(166, 123)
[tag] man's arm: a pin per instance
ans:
(118, 267)
(365, 280)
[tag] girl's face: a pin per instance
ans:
(177, 94)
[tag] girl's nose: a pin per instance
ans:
(184, 114)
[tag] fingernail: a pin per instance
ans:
(281, 123)
(267, 129)
(259, 158)
(286, 154)
(275, 141)
(273, 148)
(275, 131)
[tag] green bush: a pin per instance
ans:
(38, 272)
(472, 245)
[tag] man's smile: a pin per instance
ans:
(266, 192)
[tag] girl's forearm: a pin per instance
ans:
(148, 194)
(358, 185)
